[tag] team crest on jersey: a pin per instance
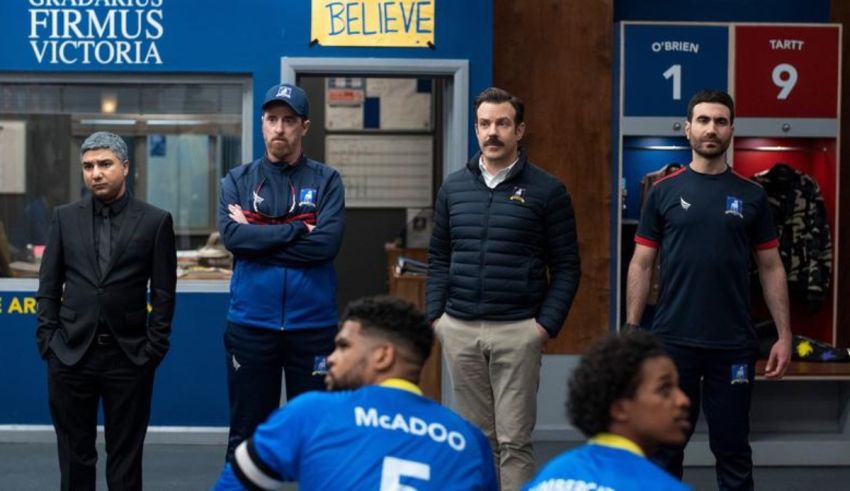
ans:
(685, 204)
(739, 374)
(307, 197)
(735, 206)
(518, 195)
(320, 365)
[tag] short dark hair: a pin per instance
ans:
(395, 320)
(712, 95)
(608, 372)
(496, 96)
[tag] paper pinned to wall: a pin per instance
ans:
(344, 97)
(405, 103)
(13, 157)
(383, 170)
(353, 103)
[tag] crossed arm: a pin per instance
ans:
(291, 243)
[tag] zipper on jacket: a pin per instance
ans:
(283, 301)
(483, 243)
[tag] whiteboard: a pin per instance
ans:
(383, 171)
(13, 156)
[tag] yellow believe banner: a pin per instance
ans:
(399, 23)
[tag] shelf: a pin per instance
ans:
(808, 370)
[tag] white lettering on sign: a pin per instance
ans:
(96, 3)
(681, 46)
(787, 44)
(785, 77)
(104, 32)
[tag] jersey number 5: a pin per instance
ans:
(394, 469)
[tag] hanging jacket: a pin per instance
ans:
(800, 217)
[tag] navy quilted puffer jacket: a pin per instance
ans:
(503, 254)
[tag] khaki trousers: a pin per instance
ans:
(495, 370)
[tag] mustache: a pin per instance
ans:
(494, 141)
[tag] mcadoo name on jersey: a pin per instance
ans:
(411, 424)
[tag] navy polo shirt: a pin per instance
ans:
(707, 227)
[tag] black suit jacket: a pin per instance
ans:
(72, 294)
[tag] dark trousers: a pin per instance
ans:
(255, 357)
(74, 393)
(727, 384)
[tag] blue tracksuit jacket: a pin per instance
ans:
(283, 277)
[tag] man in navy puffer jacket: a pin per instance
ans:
(503, 269)
(282, 217)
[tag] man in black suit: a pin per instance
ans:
(94, 327)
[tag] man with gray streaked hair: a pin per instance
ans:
(94, 329)
(106, 140)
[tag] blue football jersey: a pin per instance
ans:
(374, 438)
(609, 466)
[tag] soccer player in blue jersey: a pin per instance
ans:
(710, 223)
(625, 395)
(375, 431)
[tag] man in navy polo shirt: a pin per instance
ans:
(709, 221)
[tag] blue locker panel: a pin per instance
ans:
(666, 64)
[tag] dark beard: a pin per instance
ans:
(280, 151)
(720, 150)
(337, 384)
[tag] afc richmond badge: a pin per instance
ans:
(518, 195)
(307, 197)
(739, 374)
(735, 206)
(320, 365)
(284, 92)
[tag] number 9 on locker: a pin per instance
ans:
(786, 71)
(664, 65)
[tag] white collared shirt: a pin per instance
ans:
(494, 180)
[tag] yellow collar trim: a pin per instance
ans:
(617, 441)
(398, 383)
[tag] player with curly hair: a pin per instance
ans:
(624, 395)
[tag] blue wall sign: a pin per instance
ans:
(191, 383)
(666, 65)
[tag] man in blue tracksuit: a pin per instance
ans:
(282, 217)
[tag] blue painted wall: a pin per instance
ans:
(249, 37)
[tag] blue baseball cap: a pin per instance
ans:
(291, 95)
